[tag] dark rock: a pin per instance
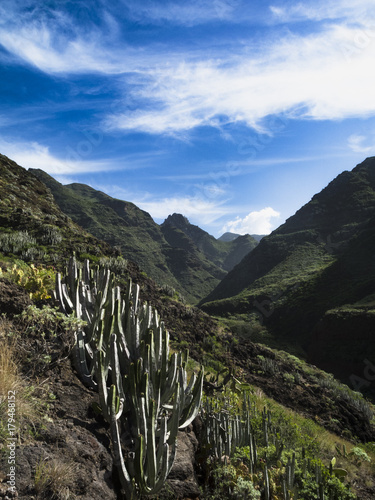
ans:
(13, 298)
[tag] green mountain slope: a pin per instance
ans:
(292, 287)
(310, 412)
(32, 226)
(322, 227)
(223, 254)
(170, 259)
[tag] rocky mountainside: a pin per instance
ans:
(31, 223)
(223, 254)
(63, 444)
(321, 259)
(326, 223)
(168, 256)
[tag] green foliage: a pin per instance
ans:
(15, 242)
(229, 483)
(48, 321)
(269, 448)
(171, 292)
(245, 489)
(51, 235)
(117, 265)
(359, 455)
(268, 365)
(38, 281)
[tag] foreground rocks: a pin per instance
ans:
(72, 447)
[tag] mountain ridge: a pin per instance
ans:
(301, 276)
(326, 220)
(311, 400)
(224, 254)
(174, 260)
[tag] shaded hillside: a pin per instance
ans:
(68, 434)
(223, 254)
(122, 224)
(294, 283)
(32, 226)
(322, 226)
(70, 431)
(180, 264)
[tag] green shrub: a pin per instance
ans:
(38, 281)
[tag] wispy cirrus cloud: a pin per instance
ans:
(362, 143)
(36, 155)
(316, 76)
(199, 209)
(320, 10)
(37, 45)
(181, 12)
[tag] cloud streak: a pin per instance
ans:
(319, 74)
(197, 208)
(362, 143)
(36, 155)
(323, 76)
(180, 12)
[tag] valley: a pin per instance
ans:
(287, 318)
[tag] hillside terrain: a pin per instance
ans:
(32, 226)
(192, 264)
(63, 444)
(224, 255)
(309, 285)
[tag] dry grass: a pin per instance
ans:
(27, 407)
(53, 479)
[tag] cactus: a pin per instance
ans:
(267, 494)
(290, 471)
(123, 352)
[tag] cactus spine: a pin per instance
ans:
(123, 352)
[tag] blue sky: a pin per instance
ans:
(231, 112)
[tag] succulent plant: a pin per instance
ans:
(144, 392)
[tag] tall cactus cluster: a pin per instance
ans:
(224, 433)
(123, 353)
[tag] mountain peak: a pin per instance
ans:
(177, 220)
(228, 236)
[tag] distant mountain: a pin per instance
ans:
(258, 237)
(322, 227)
(312, 275)
(223, 254)
(232, 236)
(228, 237)
(165, 253)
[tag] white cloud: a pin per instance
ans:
(35, 155)
(326, 73)
(198, 210)
(361, 143)
(257, 222)
(320, 76)
(38, 46)
(321, 10)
